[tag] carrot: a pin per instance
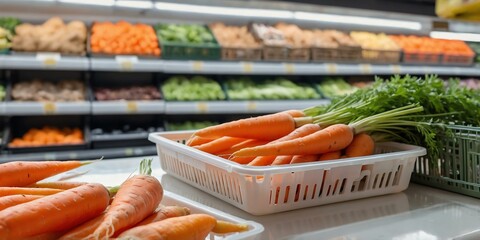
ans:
(297, 133)
(262, 161)
(57, 185)
(189, 227)
(7, 191)
(332, 138)
(12, 200)
(303, 158)
(220, 144)
(242, 160)
(45, 236)
(229, 227)
(330, 156)
(25, 173)
(164, 213)
(137, 198)
(266, 127)
(196, 140)
(362, 145)
(281, 160)
(84, 230)
(53, 213)
(244, 144)
(295, 113)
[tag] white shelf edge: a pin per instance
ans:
(48, 108)
(128, 107)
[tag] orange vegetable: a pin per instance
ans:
(57, 185)
(12, 200)
(224, 227)
(23, 173)
(196, 140)
(303, 158)
(281, 160)
(7, 191)
(244, 144)
(330, 156)
(164, 213)
(266, 127)
(57, 212)
(220, 144)
(48, 136)
(189, 227)
(362, 145)
(331, 138)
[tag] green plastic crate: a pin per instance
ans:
(190, 51)
(458, 169)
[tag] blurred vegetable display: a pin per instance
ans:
(181, 88)
(2, 92)
(51, 36)
(333, 87)
(36, 137)
(5, 39)
(244, 88)
(189, 125)
(128, 93)
(44, 91)
(185, 33)
(9, 23)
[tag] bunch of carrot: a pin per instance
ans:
(78, 210)
(124, 38)
(35, 137)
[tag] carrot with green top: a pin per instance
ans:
(13, 200)
(21, 173)
(137, 198)
(266, 127)
(54, 213)
(189, 227)
(7, 191)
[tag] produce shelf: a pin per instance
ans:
(41, 61)
(219, 107)
(46, 108)
(127, 107)
(2, 109)
(126, 63)
(108, 153)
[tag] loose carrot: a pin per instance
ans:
(266, 127)
(295, 113)
(12, 200)
(45, 236)
(163, 213)
(57, 212)
(303, 158)
(84, 230)
(302, 131)
(57, 185)
(244, 144)
(189, 227)
(282, 160)
(22, 174)
(137, 198)
(7, 191)
(196, 140)
(362, 145)
(262, 161)
(242, 160)
(229, 227)
(330, 156)
(332, 138)
(220, 144)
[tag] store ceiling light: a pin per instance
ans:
(90, 2)
(468, 37)
(134, 4)
(353, 20)
(241, 12)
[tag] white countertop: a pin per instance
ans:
(420, 212)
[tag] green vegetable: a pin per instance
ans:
(195, 34)
(332, 87)
(9, 23)
(5, 38)
(243, 88)
(180, 88)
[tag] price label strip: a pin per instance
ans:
(289, 68)
(126, 63)
(331, 68)
(48, 59)
(396, 69)
(197, 66)
(251, 106)
(365, 68)
(132, 107)
(49, 108)
(202, 107)
(247, 67)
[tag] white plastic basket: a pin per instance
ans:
(271, 189)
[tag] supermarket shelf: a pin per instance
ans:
(127, 107)
(219, 107)
(2, 108)
(126, 63)
(46, 108)
(109, 153)
(44, 61)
